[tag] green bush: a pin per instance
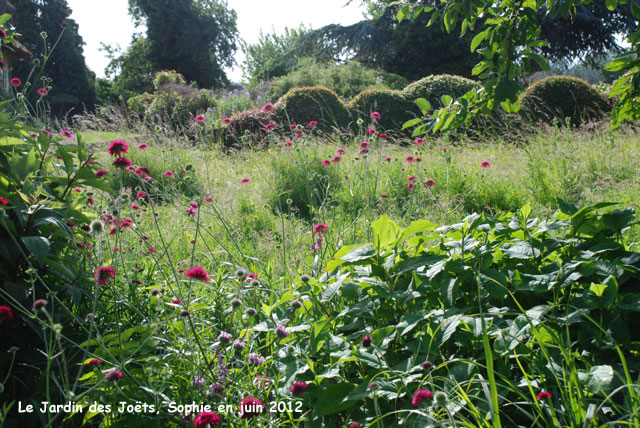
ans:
(168, 76)
(563, 97)
(177, 104)
(346, 79)
(140, 103)
(432, 88)
(302, 105)
(394, 109)
(249, 122)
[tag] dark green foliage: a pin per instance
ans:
(72, 86)
(432, 88)
(132, 71)
(347, 79)
(302, 105)
(195, 38)
(140, 103)
(564, 97)
(177, 104)
(394, 108)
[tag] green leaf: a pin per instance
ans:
(360, 253)
(412, 122)
(600, 379)
(612, 4)
(424, 105)
(4, 18)
(385, 233)
(319, 332)
(446, 99)
(635, 10)
(479, 38)
(334, 399)
(38, 246)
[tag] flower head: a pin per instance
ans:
(281, 331)
(313, 123)
(191, 212)
(114, 375)
(326, 162)
(410, 159)
(3, 34)
(485, 164)
(121, 162)
(227, 120)
(375, 115)
(245, 180)
(198, 273)
(364, 144)
(320, 229)
(93, 361)
(141, 195)
(43, 92)
(429, 182)
(100, 173)
(298, 388)
(104, 274)
(269, 126)
(543, 395)
(419, 141)
(250, 407)
(15, 82)
(66, 133)
(118, 147)
(371, 131)
(39, 304)
(420, 395)
(142, 146)
(5, 313)
(255, 358)
(340, 152)
(366, 341)
(168, 174)
(206, 420)
(224, 337)
(199, 118)
(337, 159)
(268, 107)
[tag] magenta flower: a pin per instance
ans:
(419, 141)
(198, 273)
(142, 146)
(191, 212)
(250, 407)
(337, 159)
(298, 388)
(410, 178)
(206, 420)
(326, 162)
(134, 207)
(268, 107)
(113, 375)
(364, 151)
(121, 162)
(366, 341)
(383, 136)
(15, 82)
(93, 361)
(281, 331)
(141, 195)
(313, 123)
(168, 174)
(543, 395)
(3, 34)
(104, 274)
(208, 199)
(227, 120)
(43, 92)
(485, 164)
(245, 180)
(375, 115)
(320, 229)
(387, 159)
(421, 395)
(269, 127)
(410, 159)
(384, 195)
(444, 149)
(199, 118)
(65, 133)
(100, 173)
(340, 152)
(364, 145)
(430, 182)
(411, 186)
(5, 313)
(371, 131)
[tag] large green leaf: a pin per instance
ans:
(334, 399)
(38, 246)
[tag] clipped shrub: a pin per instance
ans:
(168, 76)
(394, 109)
(302, 105)
(249, 122)
(432, 88)
(560, 97)
(140, 103)
(177, 104)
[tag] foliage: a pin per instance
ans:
(249, 122)
(346, 79)
(131, 71)
(393, 107)
(140, 103)
(195, 38)
(313, 103)
(433, 88)
(72, 90)
(563, 97)
(165, 77)
(178, 104)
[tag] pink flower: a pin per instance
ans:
(198, 273)
(94, 361)
(168, 174)
(292, 127)
(121, 162)
(410, 178)
(199, 118)
(418, 159)
(104, 274)
(65, 133)
(245, 180)
(420, 395)
(113, 375)
(419, 141)
(268, 107)
(3, 34)
(375, 115)
(326, 162)
(134, 207)
(15, 82)
(384, 195)
(320, 229)
(100, 173)
(5, 313)
(364, 151)
(119, 147)
(43, 92)
(313, 123)
(364, 144)
(141, 195)
(206, 420)
(371, 131)
(410, 159)
(382, 136)
(340, 152)
(298, 388)
(176, 301)
(142, 146)
(227, 120)
(355, 425)
(288, 144)
(485, 164)
(411, 186)
(250, 407)
(337, 159)
(191, 212)
(269, 127)
(387, 159)
(444, 149)
(208, 199)
(3, 201)
(366, 341)
(430, 182)
(543, 395)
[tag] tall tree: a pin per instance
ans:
(194, 37)
(72, 83)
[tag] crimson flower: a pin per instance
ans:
(207, 419)
(121, 162)
(43, 92)
(94, 361)
(65, 133)
(420, 395)
(198, 273)
(298, 388)
(15, 82)
(104, 274)
(543, 395)
(320, 229)
(366, 341)
(113, 375)
(267, 107)
(375, 115)
(5, 313)
(485, 164)
(100, 173)
(118, 147)
(199, 118)
(250, 407)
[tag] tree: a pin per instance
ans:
(72, 87)
(194, 37)
(132, 71)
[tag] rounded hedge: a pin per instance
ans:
(306, 104)
(178, 104)
(432, 88)
(394, 109)
(165, 77)
(563, 97)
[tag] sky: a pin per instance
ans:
(107, 21)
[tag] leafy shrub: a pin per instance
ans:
(563, 97)
(177, 104)
(394, 108)
(345, 79)
(168, 76)
(249, 122)
(302, 105)
(432, 88)
(140, 103)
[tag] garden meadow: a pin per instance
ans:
(205, 258)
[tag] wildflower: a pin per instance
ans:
(410, 178)
(43, 92)
(134, 207)
(3, 201)
(208, 199)
(320, 229)
(199, 118)
(383, 136)
(409, 159)
(5, 313)
(375, 115)
(296, 304)
(185, 313)
(245, 180)
(177, 301)
(89, 201)
(418, 159)
(543, 395)
(143, 170)
(39, 304)
(255, 359)
(100, 173)
(96, 226)
(288, 144)
(337, 159)
(3, 34)
(364, 144)
(93, 361)
(364, 151)
(250, 407)
(118, 147)
(420, 395)
(121, 162)
(430, 182)
(168, 174)
(305, 278)
(216, 388)
(485, 164)
(206, 420)
(104, 274)
(366, 341)
(269, 126)
(250, 312)
(419, 141)
(141, 195)
(427, 365)
(261, 381)
(371, 131)
(142, 146)
(198, 382)
(281, 331)
(198, 273)
(65, 133)
(444, 149)
(355, 425)
(268, 107)
(238, 345)
(384, 195)
(15, 82)
(191, 211)
(193, 205)
(224, 337)
(340, 152)
(326, 162)
(114, 375)
(298, 388)
(313, 123)
(411, 186)
(441, 398)
(387, 159)
(227, 120)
